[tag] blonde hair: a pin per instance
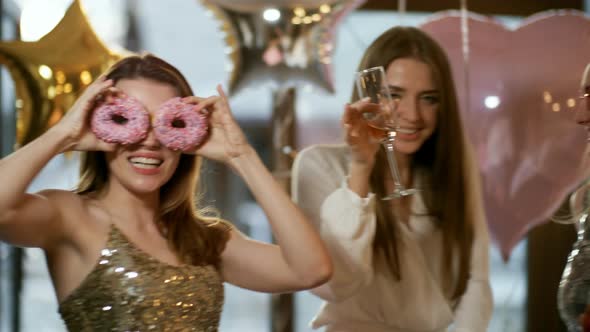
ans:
(197, 236)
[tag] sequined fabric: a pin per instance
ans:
(128, 290)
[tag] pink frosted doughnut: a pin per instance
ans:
(124, 121)
(178, 126)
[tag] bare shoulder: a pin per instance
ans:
(234, 238)
(68, 202)
(37, 220)
(65, 203)
(235, 244)
(59, 197)
(80, 218)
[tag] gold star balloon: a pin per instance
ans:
(49, 74)
(283, 42)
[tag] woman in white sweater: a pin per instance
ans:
(415, 264)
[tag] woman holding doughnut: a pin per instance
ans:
(129, 250)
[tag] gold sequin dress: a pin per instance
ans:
(128, 290)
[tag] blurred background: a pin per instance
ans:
(194, 36)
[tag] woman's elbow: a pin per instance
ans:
(319, 274)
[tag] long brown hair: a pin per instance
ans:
(439, 162)
(196, 237)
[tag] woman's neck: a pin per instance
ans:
(137, 211)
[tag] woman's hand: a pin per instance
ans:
(362, 139)
(75, 125)
(226, 140)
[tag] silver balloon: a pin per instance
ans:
(284, 43)
(573, 297)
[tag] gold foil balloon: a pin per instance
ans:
(284, 42)
(50, 73)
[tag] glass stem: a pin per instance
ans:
(583, 228)
(388, 144)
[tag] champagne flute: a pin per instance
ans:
(381, 115)
(585, 100)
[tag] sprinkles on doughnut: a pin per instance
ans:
(178, 126)
(124, 121)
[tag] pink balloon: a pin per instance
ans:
(523, 88)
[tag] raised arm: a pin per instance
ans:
(331, 184)
(300, 260)
(33, 219)
(345, 220)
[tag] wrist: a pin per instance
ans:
(59, 139)
(361, 168)
(246, 158)
(359, 177)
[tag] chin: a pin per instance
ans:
(408, 147)
(146, 187)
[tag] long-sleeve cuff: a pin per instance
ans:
(346, 215)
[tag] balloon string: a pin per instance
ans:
(401, 9)
(465, 49)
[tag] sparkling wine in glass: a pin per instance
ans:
(380, 114)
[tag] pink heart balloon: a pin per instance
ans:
(523, 88)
